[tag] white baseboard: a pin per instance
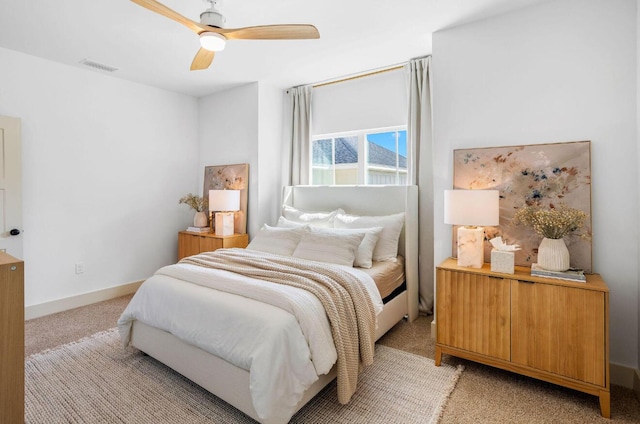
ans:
(433, 329)
(622, 375)
(60, 305)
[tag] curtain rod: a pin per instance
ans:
(366, 74)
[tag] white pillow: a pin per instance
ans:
(387, 247)
(328, 247)
(286, 223)
(280, 241)
(364, 254)
(315, 219)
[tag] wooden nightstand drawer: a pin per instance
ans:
(194, 243)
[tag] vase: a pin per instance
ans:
(200, 220)
(553, 255)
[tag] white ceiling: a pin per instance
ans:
(355, 36)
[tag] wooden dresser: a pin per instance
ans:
(11, 339)
(550, 329)
(194, 243)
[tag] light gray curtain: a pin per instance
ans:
(300, 101)
(420, 140)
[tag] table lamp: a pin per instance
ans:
(472, 209)
(224, 203)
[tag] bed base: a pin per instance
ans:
(225, 380)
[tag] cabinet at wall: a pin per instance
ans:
(550, 329)
(12, 339)
(194, 243)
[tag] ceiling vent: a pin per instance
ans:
(97, 65)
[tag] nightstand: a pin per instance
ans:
(194, 243)
(549, 329)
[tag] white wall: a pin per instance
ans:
(104, 164)
(270, 152)
(228, 134)
(560, 71)
(244, 125)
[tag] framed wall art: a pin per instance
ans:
(539, 174)
(230, 177)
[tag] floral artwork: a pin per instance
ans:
(230, 177)
(540, 175)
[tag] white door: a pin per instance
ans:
(11, 186)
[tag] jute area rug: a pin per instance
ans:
(95, 380)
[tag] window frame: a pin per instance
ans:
(363, 153)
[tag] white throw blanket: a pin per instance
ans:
(284, 343)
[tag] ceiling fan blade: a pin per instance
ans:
(163, 10)
(270, 32)
(202, 60)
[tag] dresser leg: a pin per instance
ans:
(605, 404)
(438, 357)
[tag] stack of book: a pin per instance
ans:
(199, 229)
(571, 274)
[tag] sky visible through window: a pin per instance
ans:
(388, 141)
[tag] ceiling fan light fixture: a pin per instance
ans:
(212, 41)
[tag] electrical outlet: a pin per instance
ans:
(79, 268)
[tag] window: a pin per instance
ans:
(373, 157)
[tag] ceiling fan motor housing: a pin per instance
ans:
(212, 17)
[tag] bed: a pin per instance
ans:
(234, 383)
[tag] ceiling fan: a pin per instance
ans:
(213, 35)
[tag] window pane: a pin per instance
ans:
(347, 151)
(346, 160)
(322, 152)
(346, 176)
(382, 149)
(322, 176)
(402, 152)
(387, 157)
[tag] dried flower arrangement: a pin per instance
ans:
(553, 223)
(198, 203)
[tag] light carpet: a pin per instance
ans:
(95, 380)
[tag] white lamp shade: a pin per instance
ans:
(472, 207)
(224, 200)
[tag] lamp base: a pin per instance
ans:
(224, 223)
(471, 247)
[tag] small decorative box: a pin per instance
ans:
(502, 261)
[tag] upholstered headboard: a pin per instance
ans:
(373, 201)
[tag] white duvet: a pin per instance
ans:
(280, 334)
